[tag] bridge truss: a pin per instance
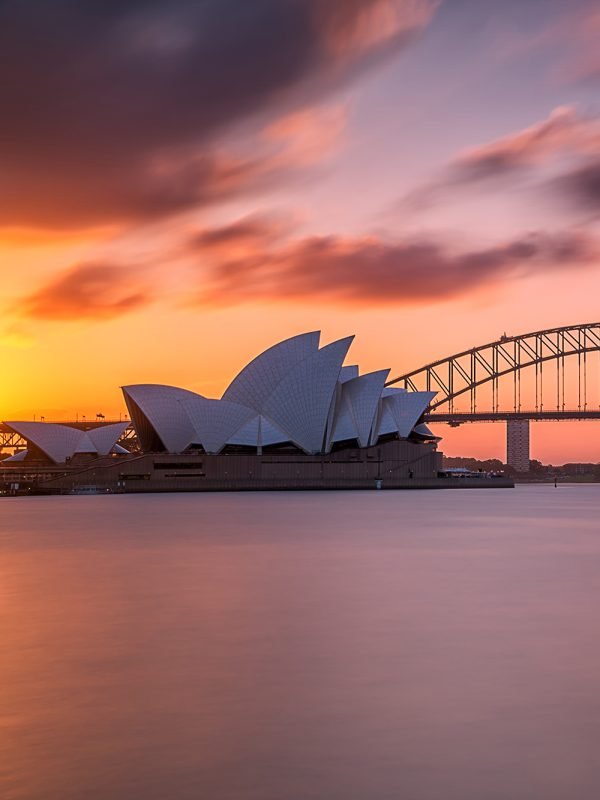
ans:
(464, 376)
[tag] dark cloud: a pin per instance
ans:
(87, 291)
(582, 186)
(85, 195)
(253, 231)
(369, 270)
(110, 110)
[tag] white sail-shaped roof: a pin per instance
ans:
(344, 428)
(363, 395)
(60, 442)
(158, 406)
(301, 402)
(405, 408)
(258, 380)
(357, 407)
(214, 421)
(270, 433)
(248, 434)
(293, 392)
(104, 437)
(385, 422)
(20, 456)
(348, 372)
(85, 445)
(258, 432)
(424, 432)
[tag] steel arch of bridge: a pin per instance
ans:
(463, 373)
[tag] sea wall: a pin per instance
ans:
(392, 465)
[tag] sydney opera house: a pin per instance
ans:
(297, 416)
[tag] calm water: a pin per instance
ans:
(368, 646)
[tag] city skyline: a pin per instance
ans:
(184, 186)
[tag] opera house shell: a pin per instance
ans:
(60, 443)
(294, 396)
(296, 417)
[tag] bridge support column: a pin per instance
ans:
(517, 444)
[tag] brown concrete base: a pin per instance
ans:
(392, 465)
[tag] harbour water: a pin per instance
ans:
(273, 646)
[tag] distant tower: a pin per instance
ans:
(517, 444)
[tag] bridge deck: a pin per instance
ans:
(551, 415)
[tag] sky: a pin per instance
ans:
(185, 183)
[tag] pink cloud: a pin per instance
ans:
(368, 270)
(563, 130)
(565, 136)
(87, 291)
(305, 137)
(351, 28)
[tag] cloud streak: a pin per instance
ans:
(583, 66)
(563, 131)
(254, 264)
(114, 108)
(87, 291)
(581, 186)
(259, 259)
(565, 134)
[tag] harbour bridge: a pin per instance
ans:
(544, 375)
(551, 374)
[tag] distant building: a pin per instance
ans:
(517, 444)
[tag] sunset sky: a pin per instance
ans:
(184, 183)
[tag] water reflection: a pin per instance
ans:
(422, 645)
